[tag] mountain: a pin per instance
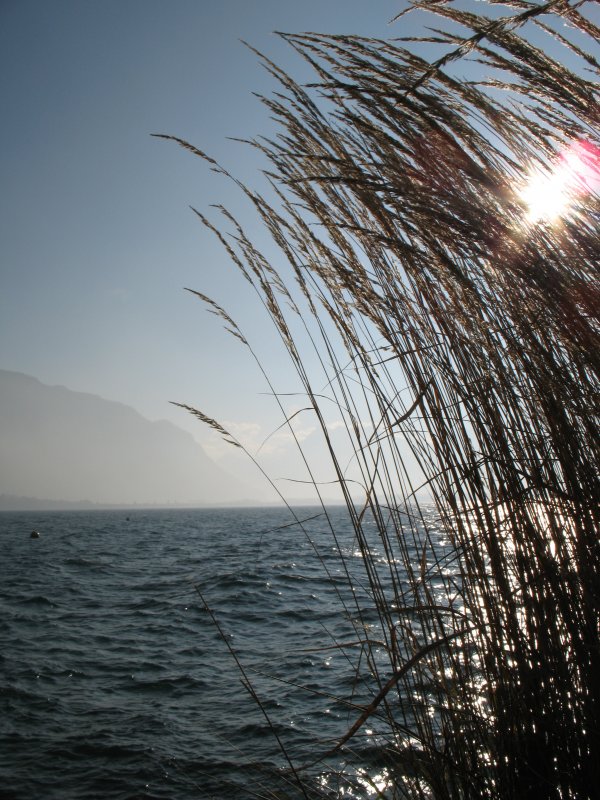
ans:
(72, 447)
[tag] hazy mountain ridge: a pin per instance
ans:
(72, 447)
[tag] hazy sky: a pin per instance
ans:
(96, 236)
(97, 239)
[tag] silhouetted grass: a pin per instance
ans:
(451, 325)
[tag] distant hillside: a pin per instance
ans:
(72, 447)
(10, 502)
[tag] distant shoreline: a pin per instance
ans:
(9, 503)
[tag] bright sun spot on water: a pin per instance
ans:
(552, 194)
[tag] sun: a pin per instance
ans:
(546, 196)
(552, 194)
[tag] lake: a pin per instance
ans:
(119, 634)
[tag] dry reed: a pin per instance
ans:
(450, 325)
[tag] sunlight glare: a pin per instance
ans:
(552, 194)
(546, 197)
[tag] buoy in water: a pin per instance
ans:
(34, 535)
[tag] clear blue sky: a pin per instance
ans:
(96, 237)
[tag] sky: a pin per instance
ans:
(97, 239)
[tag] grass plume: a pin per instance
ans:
(452, 323)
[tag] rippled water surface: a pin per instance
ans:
(115, 682)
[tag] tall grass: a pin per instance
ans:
(454, 324)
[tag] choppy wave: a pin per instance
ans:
(115, 682)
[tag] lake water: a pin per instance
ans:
(115, 681)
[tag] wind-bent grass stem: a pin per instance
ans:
(456, 325)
